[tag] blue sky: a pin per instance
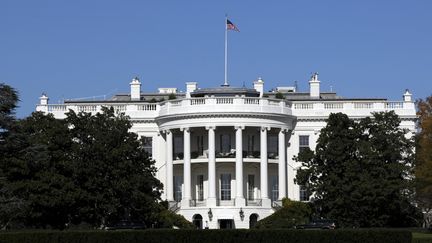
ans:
(83, 48)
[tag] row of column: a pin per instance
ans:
(239, 198)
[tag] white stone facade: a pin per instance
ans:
(205, 139)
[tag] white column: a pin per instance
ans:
(186, 168)
(169, 166)
(264, 168)
(239, 199)
(282, 165)
(211, 200)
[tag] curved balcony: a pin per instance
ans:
(225, 105)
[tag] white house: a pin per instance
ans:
(225, 154)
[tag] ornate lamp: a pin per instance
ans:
(210, 214)
(241, 214)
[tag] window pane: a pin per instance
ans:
(178, 181)
(304, 195)
(225, 186)
(147, 145)
(251, 187)
(200, 185)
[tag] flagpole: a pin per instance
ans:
(226, 51)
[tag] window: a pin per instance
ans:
(250, 145)
(225, 143)
(251, 187)
(147, 145)
(303, 142)
(200, 187)
(178, 147)
(225, 186)
(272, 147)
(200, 145)
(274, 188)
(178, 182)
(304, 194)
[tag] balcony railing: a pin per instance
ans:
(236, 104)
(197, 203)
(254, 202)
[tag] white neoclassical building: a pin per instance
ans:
(225, 154)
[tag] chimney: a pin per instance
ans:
(135, 87)
(314, 86)
(407, 96)
(259, 86)
(190, 87)
(43, 100)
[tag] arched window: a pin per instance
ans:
(197, 221)
(253, 219)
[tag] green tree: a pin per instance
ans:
(423, 169)
(291, 214)
(8, 103)
(37, 174)
(360, 172)
(112, 169)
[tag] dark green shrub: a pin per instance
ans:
(279, 95)
(210, 236)
(172, 97)
(292, 213)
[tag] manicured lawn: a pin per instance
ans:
(421, 238)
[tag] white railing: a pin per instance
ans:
(331, 106)
(303, 106)
(200, 101)
(363, 105)
(394, 105)
(251, 101)
(147, 107)
(224, 100)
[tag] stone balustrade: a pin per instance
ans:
(236, 104)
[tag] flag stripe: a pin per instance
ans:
(231, 26)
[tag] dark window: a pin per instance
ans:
(304, 194)
(200, 145)
(303, 142)
(253, 219)
(178, 182)
(225, 143)
(251, 187)
(251, 145)
(225, 186)
(148, 145)
(274, 188)
(197, 221)
(200, 185)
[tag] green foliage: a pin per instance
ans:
(8, 103)
(360, 172)
(423, 170)
(279, 95)
(168, 219)
(172, 96)
(84, 169)
(292, 213)
(211, 236)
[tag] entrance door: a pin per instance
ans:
(226, 224)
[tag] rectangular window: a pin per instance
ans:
(225, 143)
(274, 188)
(272, 147)
(178, 147)
(304, 195)
(251, 145)
(303, 142)
(225, 186)
(200, 187)
(148, 145)
(200, 145)
(251, 187)
(178, 182)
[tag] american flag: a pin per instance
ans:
(231, 26)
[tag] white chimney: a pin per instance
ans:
(190, 87)
(259, 86)
(43, 99)
(135, 87)
(314, 86)
(43, 103)
(407, 96)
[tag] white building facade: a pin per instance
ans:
(225, 155)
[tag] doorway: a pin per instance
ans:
(226, 224)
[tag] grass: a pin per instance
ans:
(421, 238)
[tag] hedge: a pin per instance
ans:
(212, 236)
